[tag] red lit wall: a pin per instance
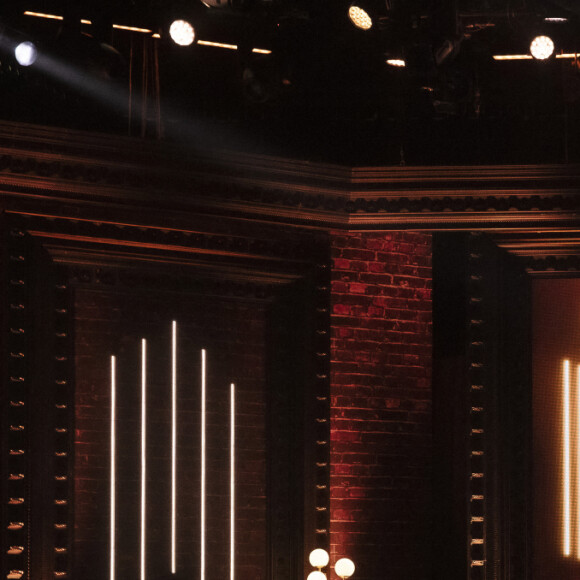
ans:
(112, 322)
(381, 403)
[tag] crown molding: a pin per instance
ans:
(72, 174)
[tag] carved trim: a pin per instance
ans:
(154, 177)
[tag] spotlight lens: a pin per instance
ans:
(542, 47)
(344, 568)
(360, 18)
(26, 53)
(318, 558)
(182, 33)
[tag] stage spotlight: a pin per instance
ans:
(182, 32)
(542, 47)
(360, 17)
(26, 53)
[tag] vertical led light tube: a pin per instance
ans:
(143, 451)
(232, 477)
(577, 460)
(202, 489)
(566, 476)
(113, 522)
(173, 442)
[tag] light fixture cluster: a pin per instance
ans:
(319, 558)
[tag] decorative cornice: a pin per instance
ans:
(87, 172)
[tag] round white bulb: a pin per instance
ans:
(542, 47)
(344, 568)
(26, 53)
(318, 558)
(182, 32)
(360, 18)
(316, 576)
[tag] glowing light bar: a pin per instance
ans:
(43, 15)
(566, 479)
(396, 62)
(261, 51)
(513, 57)
(577, 473)
(143, 451)
(113, 465)
(218, 44)
(132, 28)
(83, 21)
(232, 478)
(202, 493)
(565, 55)
(173, 441)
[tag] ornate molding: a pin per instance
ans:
(88, 171)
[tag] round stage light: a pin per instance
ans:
(182, 32)
(316, 576)
(26, 53)
(542, 47)
(318, 558)
(360, 18)
(344, 568)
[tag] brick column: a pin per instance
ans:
(381, 404)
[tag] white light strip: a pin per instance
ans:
(113, 464)
(513, 57)
(131, 28)
(569, 55)
(83, 21)
(217, 44)
(232, 478)
(261, 51)
(173, 441)
(143, 451)
(566, 482)
(43, 15)
(202, 494)
(577, 473)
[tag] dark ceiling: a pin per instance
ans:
(323, 93)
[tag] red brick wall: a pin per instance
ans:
(109, 322)
(381, 403)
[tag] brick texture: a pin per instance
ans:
(381, 403)
(233, 334)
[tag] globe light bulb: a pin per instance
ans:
(360, 18)
(542, 47)
(182, 32)
(317, 575)
(318, 558)
(26, 53)
(344, 568)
